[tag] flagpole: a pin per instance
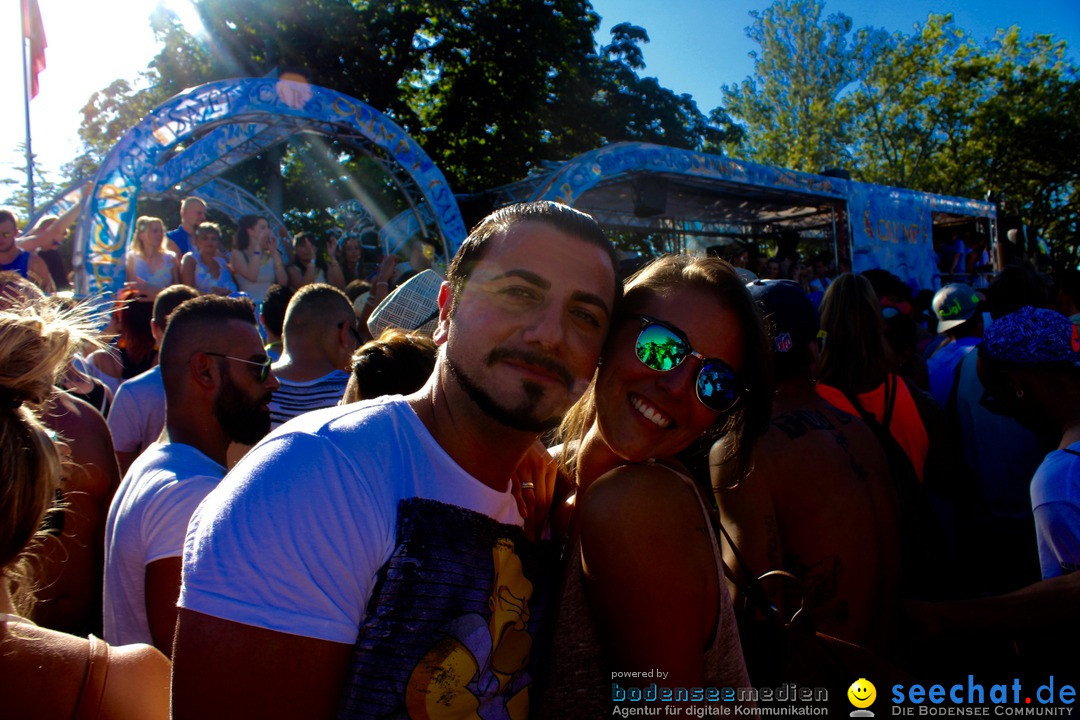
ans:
(26, 111)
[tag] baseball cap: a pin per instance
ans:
(788, 310)
(747, 276)
(954, 304)
(1032, 336)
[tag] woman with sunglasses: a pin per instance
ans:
(686, 364)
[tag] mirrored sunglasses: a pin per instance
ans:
(663, 348)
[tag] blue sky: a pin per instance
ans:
(696, 46)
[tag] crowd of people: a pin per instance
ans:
(309, 493)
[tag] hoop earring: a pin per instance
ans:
(1019, 393)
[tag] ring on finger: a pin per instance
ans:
(528, 486)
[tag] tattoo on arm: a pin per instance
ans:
(800, 422)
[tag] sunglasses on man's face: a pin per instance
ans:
(663, 348)
(264, 367)
(352, 329)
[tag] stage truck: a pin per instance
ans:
(669, 199)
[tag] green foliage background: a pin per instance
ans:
(494, 88)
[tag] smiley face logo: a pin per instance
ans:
(862, 693)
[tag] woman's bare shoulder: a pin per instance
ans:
(648, 488)
(138, 683)
(646, 511)
(41, 670)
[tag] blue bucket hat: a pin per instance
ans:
(1033, 336)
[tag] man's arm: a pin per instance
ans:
(71, 563)
(50, 237)
(223, 669)
(1043, 605)
(39, 273)
(162, 588)
(127, 436)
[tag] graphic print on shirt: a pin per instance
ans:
(450, 625)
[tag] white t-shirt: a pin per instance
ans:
(292, 539)
(138, 412)
(147, 521)
(1055, 499)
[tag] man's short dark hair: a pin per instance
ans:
(6, 214)
(561, 217)
(397, 363)
(273, 307)
(204, 315)
(356, 288)
(316, 305)
(168, 300)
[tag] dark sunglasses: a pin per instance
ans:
(663, 348)
(264, 366)
(353, 330)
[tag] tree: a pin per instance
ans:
(911, 104)
(115, 109)
(18, 198)
(933, 110)
(1024, 138)
(490, 88)
(936, 111)
(788, 107)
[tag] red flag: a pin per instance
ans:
(34, 31)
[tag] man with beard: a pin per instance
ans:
(218, 384)
(336, 569)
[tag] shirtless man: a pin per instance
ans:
(819, 501)
(15, 258)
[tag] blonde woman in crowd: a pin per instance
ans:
(151, 267)
(44, 673)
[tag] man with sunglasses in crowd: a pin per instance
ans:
(218, 383)
(318, 339)
(818, 502)
(369, 560)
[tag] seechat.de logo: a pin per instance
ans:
(973, 698)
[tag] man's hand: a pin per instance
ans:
(533, 485)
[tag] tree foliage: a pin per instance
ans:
(788, 107)
(490, 88)
(933, 110)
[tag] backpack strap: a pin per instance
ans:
(749, 585)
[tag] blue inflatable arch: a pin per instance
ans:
(191, 139)
(221, 195)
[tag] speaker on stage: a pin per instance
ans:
(650, 196)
